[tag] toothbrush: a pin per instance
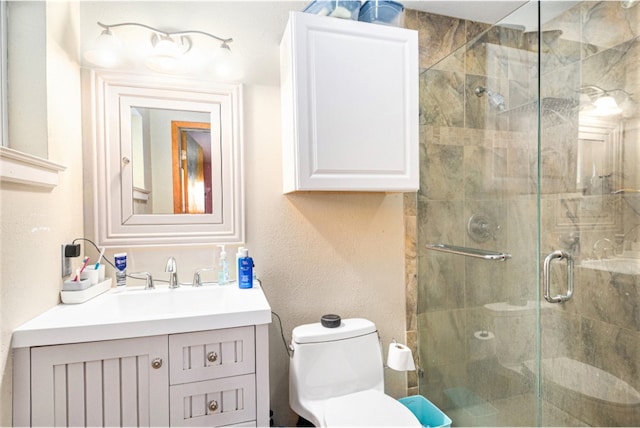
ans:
(97, 266)
(86, 261)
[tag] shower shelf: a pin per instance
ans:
(469, 252)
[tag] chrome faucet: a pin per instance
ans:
(628, 240)
(611, 247)
(148, 280)
(172, 269)
(197, 280)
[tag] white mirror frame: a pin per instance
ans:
(109, 214)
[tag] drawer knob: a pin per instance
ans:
(213, 405)
(156, 363)
(212, 357)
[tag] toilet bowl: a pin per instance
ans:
(336, 377)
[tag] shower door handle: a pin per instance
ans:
(546, 277)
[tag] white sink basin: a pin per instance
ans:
(137, 312)
(165, 301)
(622, 265)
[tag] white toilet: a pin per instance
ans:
(336, 377)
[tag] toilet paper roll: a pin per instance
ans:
(482, 345)
(484, 335)
(400, 357)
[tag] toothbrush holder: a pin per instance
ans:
(94, 275)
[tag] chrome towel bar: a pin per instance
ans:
(469, 252)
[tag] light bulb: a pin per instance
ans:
(166, 56)
(607, 106)
(105, 51)
(628, 107)
(225, 64)
(585, 103)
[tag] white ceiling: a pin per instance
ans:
(257, 25)
(473, 10)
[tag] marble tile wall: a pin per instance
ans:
(439, 36)
(475, 158)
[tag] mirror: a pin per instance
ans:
(177, 141)
(168, 154)
(599, 154)
(598, 172)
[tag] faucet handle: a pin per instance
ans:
(171, 265)
(149, 280)
(607, 245)
(197, 281)
(172, 269)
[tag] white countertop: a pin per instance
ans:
(136, 312)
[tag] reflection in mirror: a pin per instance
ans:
(171, 159)
(599, 152)
(191, 153)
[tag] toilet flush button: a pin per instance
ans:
(330, 321)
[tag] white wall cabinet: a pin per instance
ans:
(205, 378)
(349, 105)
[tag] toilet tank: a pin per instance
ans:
(328, 362)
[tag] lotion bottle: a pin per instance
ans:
(245, 270)
(223, 270)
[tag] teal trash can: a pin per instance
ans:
(426, 412)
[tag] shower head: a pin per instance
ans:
(496, 100)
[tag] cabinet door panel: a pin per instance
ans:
(107, 383)
(214, 402)
(211, 354)
(350, 105)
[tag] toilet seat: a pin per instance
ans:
(369, 408)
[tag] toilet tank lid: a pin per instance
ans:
(313, 333)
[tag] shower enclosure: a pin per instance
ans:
(529, 221)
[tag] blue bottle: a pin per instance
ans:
(245, 273)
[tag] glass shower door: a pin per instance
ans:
(530, 150)
(478, 227)
(589, 366)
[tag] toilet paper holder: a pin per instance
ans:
(400, 357)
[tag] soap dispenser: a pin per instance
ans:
(223, 270)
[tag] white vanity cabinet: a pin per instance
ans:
(349, 105)
(205, 378)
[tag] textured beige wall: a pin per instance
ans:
(315, 252)
(34, 222)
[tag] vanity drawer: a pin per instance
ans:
(211, 354)
(216, 402)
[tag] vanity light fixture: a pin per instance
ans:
(166, 55)
(599, 102)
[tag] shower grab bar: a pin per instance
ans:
(469, 252)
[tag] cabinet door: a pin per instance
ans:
(350, 105)
(108, 383)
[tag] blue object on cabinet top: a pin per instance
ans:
(382, 12)
(347, 9)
